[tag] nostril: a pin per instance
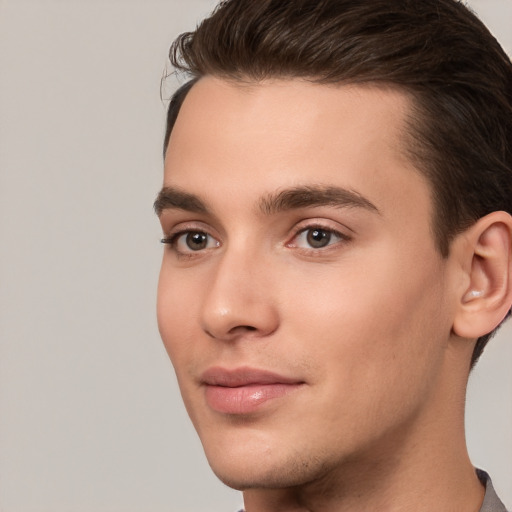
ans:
(235, 331)
(242, 328)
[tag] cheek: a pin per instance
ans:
(373, 355)
(175, 314)
(373, 318)
(177, 323)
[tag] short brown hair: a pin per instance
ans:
(438, 51)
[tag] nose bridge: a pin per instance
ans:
(239, 299)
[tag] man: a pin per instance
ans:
(336, 214)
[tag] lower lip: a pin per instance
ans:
(245, 399)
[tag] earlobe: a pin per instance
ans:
(487, 298)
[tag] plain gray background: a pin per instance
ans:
(90, 415)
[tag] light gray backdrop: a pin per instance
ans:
(90, 415)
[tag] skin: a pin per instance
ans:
(365, 324)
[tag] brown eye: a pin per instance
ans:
(191, 241)
(315, 238)
(196, 241)
(318, 238)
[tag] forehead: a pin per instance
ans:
(214, 106)
(259, 137)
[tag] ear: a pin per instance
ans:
(486, 296)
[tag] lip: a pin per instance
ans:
(244, 390)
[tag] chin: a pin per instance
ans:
(254, 475)
(240, 463)
(244, 469)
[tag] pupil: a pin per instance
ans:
(196, 241)
(318, 238)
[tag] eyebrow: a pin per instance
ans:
(313, 196)
(170, 198)
(289, 199)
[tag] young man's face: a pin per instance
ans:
(302, 300)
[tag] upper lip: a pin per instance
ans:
(243, 376)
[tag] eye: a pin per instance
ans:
(316, 238)
(191, 241)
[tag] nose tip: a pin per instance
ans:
(256, 320)
(238, 304)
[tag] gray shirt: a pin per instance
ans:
(491, 501)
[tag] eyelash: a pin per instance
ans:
(342, 238)
(172, 240)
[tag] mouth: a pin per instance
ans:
(244, 390)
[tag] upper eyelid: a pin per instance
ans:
(335, 232)
(322, 228)
(177, 229)
(186, 226)
(181, 227)
(325, 224)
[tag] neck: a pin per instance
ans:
(424, 466)
(433, 477)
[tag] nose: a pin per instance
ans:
(240, 301)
